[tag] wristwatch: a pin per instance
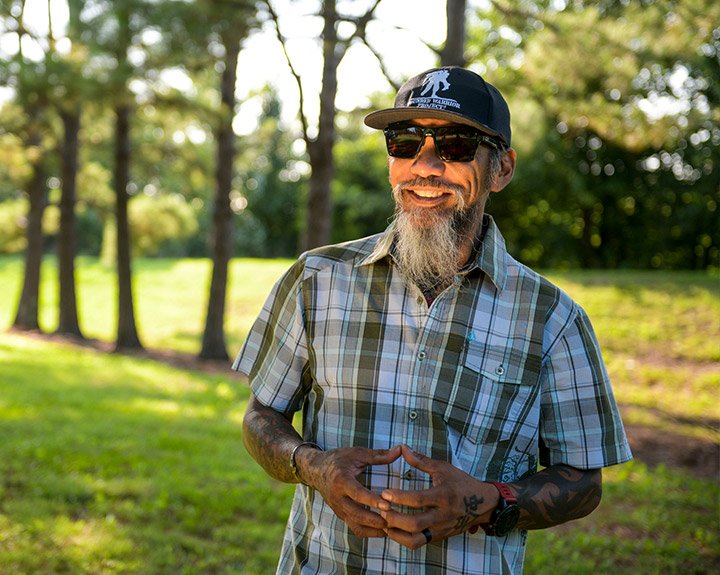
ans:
(505, 516)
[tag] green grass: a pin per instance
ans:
(170, 298)
(113, 464)
(119, 464)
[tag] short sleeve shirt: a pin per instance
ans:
(500, 373)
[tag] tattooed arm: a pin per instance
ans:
(557, 494)
(270, 438)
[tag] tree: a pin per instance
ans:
(29, 79)
(453, 53)
(230, 26)
(127, 335)
(28, 309)
(68, 317)
(69, 107)
(320, 148)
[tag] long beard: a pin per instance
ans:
(428, 241)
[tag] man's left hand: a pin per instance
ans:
(455, 502)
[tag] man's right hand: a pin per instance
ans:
(334, 474)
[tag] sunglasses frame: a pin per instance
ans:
(425, 131)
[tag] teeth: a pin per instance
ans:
(428, 193)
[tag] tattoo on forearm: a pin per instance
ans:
(471, 506)
(556, 495)
(265, 434)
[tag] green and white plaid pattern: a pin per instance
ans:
(500, 373)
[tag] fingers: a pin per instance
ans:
(419, 461)
(411, 522)
(411, 540)
(363, 522)
(383, 456)
(337, 472)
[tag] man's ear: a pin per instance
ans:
(507, 169)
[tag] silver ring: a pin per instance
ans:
(428, 535)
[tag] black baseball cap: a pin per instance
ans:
(449, 93)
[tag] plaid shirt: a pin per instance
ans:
(501, 372)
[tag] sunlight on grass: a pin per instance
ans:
(170, 298)
(127, 466)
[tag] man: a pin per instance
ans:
(434, 372)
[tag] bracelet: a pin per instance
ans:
(293, 464)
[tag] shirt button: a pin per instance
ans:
(422, 355)
(420, 300)
(499, 370)
(408, 474)
(413, 415)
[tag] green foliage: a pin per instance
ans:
(12, 228)
(362, 201)
(615, 119)
(272, 179)
(161, 225)
(616, 124)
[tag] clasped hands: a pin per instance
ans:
(455, 502)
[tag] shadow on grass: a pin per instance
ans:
(117, 464)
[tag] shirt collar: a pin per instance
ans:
(491, 258)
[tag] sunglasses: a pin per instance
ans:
(452, 143)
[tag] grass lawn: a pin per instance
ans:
(120, 464)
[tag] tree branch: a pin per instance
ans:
(383, 69)
(303, 119)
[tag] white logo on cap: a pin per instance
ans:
(433, 83)
(434, 80)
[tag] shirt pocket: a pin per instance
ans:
(492, 408)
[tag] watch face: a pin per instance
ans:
(506, 520)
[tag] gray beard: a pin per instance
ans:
(428, 241)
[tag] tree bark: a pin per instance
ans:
(28, 310)
(213, 342)
(453, 53)
(319, 206)
(127, 336)
(68, 320)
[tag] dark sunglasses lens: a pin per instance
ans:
(456, 145)
(403, 142)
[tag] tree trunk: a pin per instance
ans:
(319, 206)
(213, 342)
(453, 53)
(68, 322)
(127, 336)
(28, 310)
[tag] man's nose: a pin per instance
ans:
(427, 162)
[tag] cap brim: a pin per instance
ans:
(383, 118)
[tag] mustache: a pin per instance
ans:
(430, 182)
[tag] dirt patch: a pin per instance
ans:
(652, 446)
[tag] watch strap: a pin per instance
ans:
(505, 492)
(507, 497)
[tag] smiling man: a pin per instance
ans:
(451, 398)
